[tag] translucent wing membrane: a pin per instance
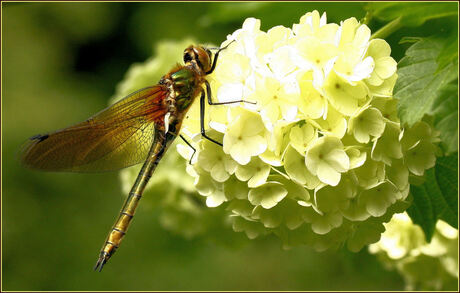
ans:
(117, 137)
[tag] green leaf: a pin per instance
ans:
(437, 197)
(445, 111)
(276, 13)
(422, 210)
(446, 172)
(425, 207)
(413, 14)
(418, 85)
(450, 51)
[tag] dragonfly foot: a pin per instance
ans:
(102, 260)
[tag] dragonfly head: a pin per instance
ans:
(198, 56)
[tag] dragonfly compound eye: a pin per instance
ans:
(187, 57)
(204, 58)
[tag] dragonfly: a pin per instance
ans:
(137, 129)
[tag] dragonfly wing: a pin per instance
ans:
(117, 137)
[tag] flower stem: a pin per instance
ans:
(280, 172)
(388, 29)
(366, 19)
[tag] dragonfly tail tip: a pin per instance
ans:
(101, 261)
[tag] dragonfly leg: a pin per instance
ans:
(190, 145)
(202, 109)
(214, 62)
(210, 102)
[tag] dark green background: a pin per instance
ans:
(61, 63)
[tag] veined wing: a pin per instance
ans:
(117, 137)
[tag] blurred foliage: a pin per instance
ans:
(415, 14)
(419, 83)
(427, 88)
(425, 266)
(437, 197)
(61, 62)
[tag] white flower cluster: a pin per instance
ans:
(320, 158)
(424, 266)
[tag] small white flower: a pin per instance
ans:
(275, 101)
(369, 121)
(255, 172)
(385, 66)
(245, 137)
(326, 159)
(345, 97)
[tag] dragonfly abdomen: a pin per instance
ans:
(121, 225)
(160, 144)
